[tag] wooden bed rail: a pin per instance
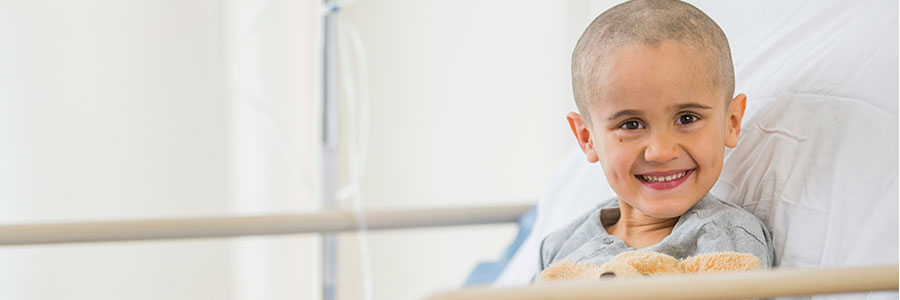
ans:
(209, 227)
(756, 284)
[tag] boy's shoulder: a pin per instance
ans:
(574, 234)
(723, 213)
(718, 225)
(715, 215)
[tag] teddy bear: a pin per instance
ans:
(647, 263)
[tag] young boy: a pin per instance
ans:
(653, 81)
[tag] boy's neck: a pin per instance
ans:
(639, 230)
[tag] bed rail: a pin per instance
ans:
(756, 284)
(231, 226)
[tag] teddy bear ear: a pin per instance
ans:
(720, 262)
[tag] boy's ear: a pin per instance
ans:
(583, 135)
(735, 115)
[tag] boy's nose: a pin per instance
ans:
(662, 148)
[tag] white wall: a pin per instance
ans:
(469, 101)
(99, 101)
(273, 123)
(125, 109)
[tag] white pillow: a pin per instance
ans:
(817, 158)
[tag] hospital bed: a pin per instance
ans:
(817, 158)
(817, 162)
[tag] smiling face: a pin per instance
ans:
(659, 126)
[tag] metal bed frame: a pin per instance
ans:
(757, 284)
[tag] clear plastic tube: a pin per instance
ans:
(357, 109)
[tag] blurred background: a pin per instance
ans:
(116, 110)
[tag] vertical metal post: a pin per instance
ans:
(329, 145)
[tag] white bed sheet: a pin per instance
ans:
(817, 159)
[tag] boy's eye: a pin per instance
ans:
(687, 119)
(631, 125)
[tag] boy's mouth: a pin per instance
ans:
(664, 180)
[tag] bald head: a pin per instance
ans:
(649, 22)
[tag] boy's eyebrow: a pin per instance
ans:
(623, 113)
(692, 105)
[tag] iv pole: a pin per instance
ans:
(329, 144)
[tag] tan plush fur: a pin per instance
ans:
(648, 263)
(720, 262)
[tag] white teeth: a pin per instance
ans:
(663, 178)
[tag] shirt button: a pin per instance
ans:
(607, 240)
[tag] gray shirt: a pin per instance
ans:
(712, 225)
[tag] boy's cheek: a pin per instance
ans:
(617, 161)
(707, 141)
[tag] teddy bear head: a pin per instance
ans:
(649, 263)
